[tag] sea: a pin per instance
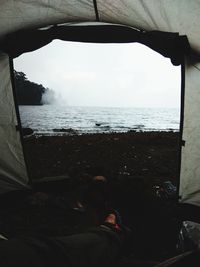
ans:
(68, 120)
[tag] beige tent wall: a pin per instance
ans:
(190, 163)
(22, 14)
(180, 16)
(12, 167)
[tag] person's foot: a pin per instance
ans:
(112, 221)
(91, 195)
(100, 178)
(111, 218)
(78, 206)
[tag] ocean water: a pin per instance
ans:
(55, 119)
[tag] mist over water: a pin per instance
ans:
(62, 119)
(52, 97)
(49, 97)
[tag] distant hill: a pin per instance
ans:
(28, 93)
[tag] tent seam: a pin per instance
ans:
(96, 10)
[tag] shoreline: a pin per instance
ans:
(82, 120)
(74, 132)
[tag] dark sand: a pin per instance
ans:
(132, 163)
(151, 155)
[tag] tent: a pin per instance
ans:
(169, 27)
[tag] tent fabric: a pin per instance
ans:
(190, 167)
(168, 44)
(22, 14)
(12, 167)
(172, 16)
(180, 16)
(149, 15)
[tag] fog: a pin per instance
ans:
(108, 75)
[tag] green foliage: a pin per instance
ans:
(28, 93)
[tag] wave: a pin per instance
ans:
(80, 120)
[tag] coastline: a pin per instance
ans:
(59, 120)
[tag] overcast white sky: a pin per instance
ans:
(115, 75)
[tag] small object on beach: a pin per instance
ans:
(169, 188)
(166, 190)
(98, 124)
(27, 131)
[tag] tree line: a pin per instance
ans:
(28, 93)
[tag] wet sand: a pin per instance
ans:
(152, 155)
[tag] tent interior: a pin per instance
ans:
(161, 27)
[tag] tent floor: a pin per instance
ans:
(47, 210)
(133, 163)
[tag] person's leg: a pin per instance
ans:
(97, 247)
(100, 246)
(16, 253)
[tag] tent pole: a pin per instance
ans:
(181, 141)
(96, 10)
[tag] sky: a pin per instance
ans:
(107, 75)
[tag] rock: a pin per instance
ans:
(27, 131)
(63, 130)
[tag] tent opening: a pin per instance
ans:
(138, 159)
(123, 93)
(110, 110)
